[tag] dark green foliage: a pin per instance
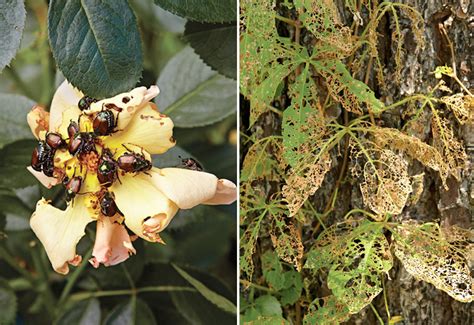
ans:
(96, 45)
(216, 44)
(12, 22)
(192, 94)
(211, 11)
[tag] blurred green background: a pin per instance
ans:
(201, 241)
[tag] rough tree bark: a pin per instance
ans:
(417, 302)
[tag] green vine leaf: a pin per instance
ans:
(210, 11)
(12, 22)
(192, 94)
(327, 310)
(357, 257)
(96, 45)
(216, 44)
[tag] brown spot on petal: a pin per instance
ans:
(125, 100)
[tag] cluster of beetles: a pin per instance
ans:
(81, 143)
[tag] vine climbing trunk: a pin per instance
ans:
(342, 117)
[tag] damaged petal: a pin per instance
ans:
(127, 104)
(148, 129)
(66, 97)
(226, 193)
(112, 243)
(60, 230)
(46, 181)
(38, 120)
(145, 208)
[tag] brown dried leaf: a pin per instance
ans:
(303, 182)
(427, 255)
(386, 185)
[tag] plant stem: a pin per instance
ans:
(42, 286)
(256, 286)
(74, 276)
(377, 314)
(86, 295)
(5, 255)
(15, 77)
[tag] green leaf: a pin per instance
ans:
(216, 44)
(288, 283)
(13, 125)
(357, 257)
(211, 11)
(14, 158)
(96, 45)
(17, 213)
(12, 22)
(156, 17)
(86, 312)
(8, 303)
(218, 300)
(136, 311)
(171, 158)
(192, 94)
(264, 306)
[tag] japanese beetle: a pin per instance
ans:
(72, 129)
(85, 102)
(54, 140)
(73, 186)
(107, 205)
(104, 122)
(82, 142)
(132, 162)
(42, 158)
(107, 169)
(190, 163)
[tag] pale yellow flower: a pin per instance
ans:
(145, 201)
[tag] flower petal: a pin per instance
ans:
(112, 243)
(47, 181)
(187, 188)
(147, 211)
(60, 230)
(66, 97)
(38, 120)
(148, 129)
(226, 193)
(129, 103)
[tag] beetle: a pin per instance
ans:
(104, 122)
(190, 163)
(54, 140)
(85, 102)
(107, 169)
(72, 129)
(82, 142)
(107, 205)
(42, 158)
(73, 186)
(132, 162)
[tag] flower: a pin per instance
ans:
(101, 152)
